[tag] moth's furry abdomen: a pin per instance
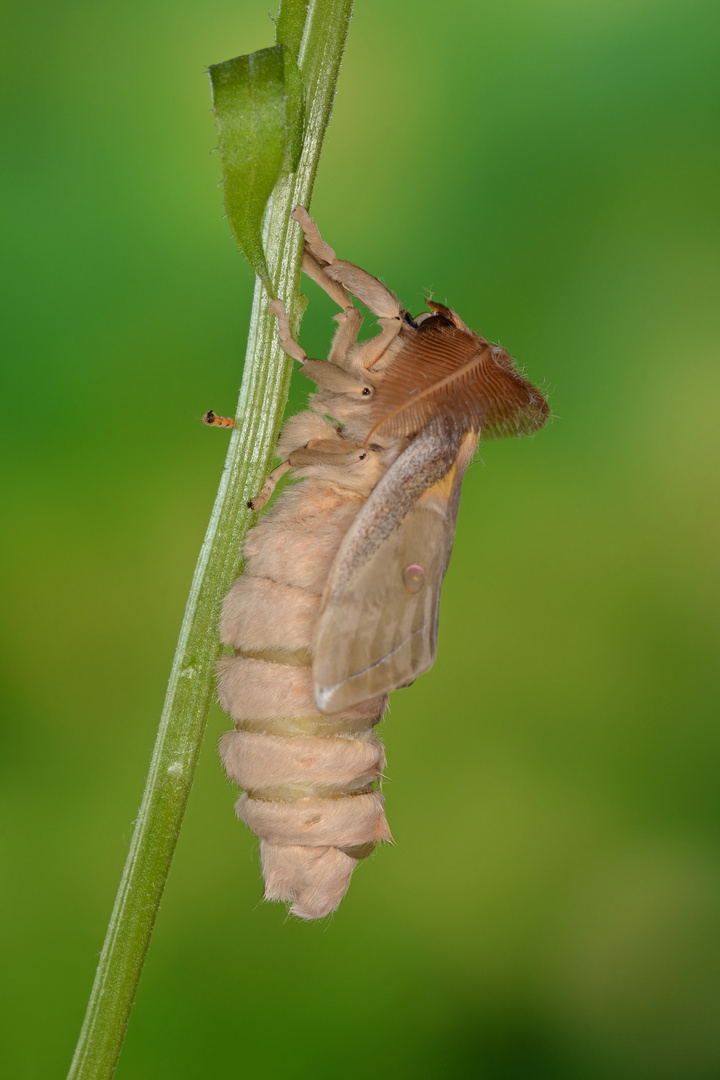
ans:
(296, 541)
(261, 614)
(256, 693)
(272, 767)
(309, 777)
(317, 822)
(312, 879)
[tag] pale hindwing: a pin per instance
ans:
(373, 633)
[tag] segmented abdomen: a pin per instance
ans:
(310, 779)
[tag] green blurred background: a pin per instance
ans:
(552, 908)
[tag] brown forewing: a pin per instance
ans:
(447, 373)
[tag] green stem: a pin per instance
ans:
(191, 687)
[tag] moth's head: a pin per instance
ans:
(439, 316)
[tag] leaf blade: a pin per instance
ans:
(250, 103)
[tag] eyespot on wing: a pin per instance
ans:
(414, 577)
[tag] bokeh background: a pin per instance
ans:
(552, 907)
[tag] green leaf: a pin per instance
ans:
(290, 25)
(259, 103)
(250, 103)
(294, 111)
(289, 30)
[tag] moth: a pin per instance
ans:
(338, 603)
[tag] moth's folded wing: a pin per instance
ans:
(377, 627)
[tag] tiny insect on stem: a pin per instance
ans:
(213, 420)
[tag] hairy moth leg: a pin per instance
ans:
(315, 452)
(370, 290)
(358, 359)
(348, 323)
(345, 353)
(259, 500)
(341, 374)
(313, 240)
(316, 270)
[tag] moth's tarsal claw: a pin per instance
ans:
(287, 342)
(269, 486)
(261, 498)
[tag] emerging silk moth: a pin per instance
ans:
(338, 604)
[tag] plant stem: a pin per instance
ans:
(190, 690)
